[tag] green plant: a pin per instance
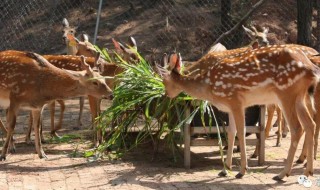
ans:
(139, 97)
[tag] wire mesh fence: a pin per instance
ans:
(187, 26)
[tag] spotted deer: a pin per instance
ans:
(68, 37)
(29, 82)
(255, 77)
(128, 53)
(316, 117)
(262, 38)
(71, 62)
(74, 63)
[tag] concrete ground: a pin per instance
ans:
(65, 167)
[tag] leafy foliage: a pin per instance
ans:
(140, 104)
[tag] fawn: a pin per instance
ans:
(29, 82)
(264, 75)
(74, 63)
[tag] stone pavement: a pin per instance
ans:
(66, 169)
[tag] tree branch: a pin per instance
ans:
(257, 5)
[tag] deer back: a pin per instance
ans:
(29, 79)
(265, 71)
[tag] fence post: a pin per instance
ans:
(97, 24)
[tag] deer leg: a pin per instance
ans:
(256, 150)
(3, 129)
(239, 118)
(57, 127)
(94, 107)
(280, 126)
(241, 132)
(285, 128)
(303, 154)
(36, 127)
(304, 110)
(270, 110)
(316, 135)
(28, 134)
(52, 106)
(79, 123)
(291, 113)
(231, 131)
(11, 122)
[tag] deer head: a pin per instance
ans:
(128, 53)
(68, 31)
(69, 37)
(254, 35)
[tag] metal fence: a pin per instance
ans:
(187, 26)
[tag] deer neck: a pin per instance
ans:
(66, 84)
(72, 50)
(195, 87)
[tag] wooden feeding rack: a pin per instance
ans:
(188, 132)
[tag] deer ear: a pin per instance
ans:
(175, 62)
(118, 45)
(255, 45)
(84, 38)
(96, 59)
(86, 67)
(178, 63)
(65, 22)
(132, 43)
(249, 32)
(164, 61)
(265, 30)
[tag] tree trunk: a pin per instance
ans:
(226, 20)
(304, 18)
(317, 33)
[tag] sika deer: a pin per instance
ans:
(70, 62)
(73, 63)
(259, 76)
(303, 155)
(68, 37)
(128, 53)
(29, 81)
(262, 38)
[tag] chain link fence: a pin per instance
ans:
(187, 26)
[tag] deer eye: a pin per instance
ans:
(95, 83)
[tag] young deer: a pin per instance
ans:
(68, 37)
(29, 81)
(259, 76)
(261, 37)
(128, 53)
(316, 117)
(70, 62)
(73, 63)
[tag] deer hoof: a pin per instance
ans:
(2, 158)
(284, 135)
(29, 142)
(223, 174)
(43, 155)
(76, 128)
(277, 178)
(278, 145)
(54, 134)
(254, 156)
(12, 150)
(299, 161)
(239, 175)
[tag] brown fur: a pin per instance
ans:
(254, 77)
(31, 82)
